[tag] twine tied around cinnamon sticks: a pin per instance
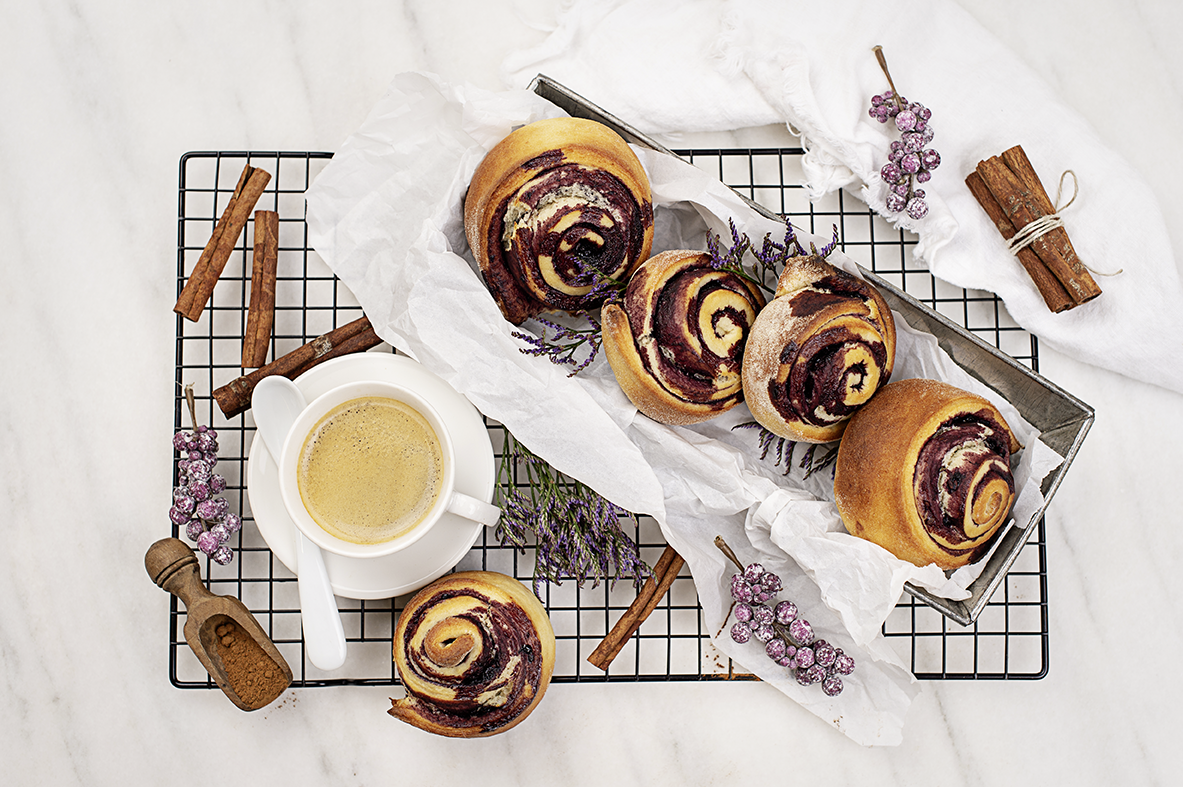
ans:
(1009, 190)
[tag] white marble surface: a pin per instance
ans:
(98, 102)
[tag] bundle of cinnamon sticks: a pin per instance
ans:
(1009, 190)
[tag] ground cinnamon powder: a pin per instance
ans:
(255, 678)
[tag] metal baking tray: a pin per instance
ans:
(1063, 419)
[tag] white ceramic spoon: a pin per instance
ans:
(276, 402)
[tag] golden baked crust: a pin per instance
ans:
(554, 202)
(817, 352)
(475, 651)
(675, 339)
(923, 470)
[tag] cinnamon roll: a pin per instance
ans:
(817, 352)
(553, 210)
(675, 340)
(924, 471)
(475, 651)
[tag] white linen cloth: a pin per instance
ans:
(386, 215)
(667, 66)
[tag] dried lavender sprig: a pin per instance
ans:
(811, 463)
(771, 257)
(561, 348)
(576, 531)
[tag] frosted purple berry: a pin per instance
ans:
(900, 189)
(212, 508)
(913, 143)
(743, 613)
(753, 573)
(760, 594)
(895, 203)
(763, 631)
(222, 555)
(740, 590)
(805, 658)
(775, 648)
(816, 673)
(843, 664)
(832, 686)
(233, 523)
(785, 661)
(184, 504)
(930, 159)
(917, 208)
(741, 632)
(198, 469)
(891, 173)
(771, 583)
(806, 677)
(762, 614)
(220, 532)
(824, 652)
(801, 631)
(198, 490)
(207, 442)
(217, 484)
(207, 542)
(194, 529)
(910, 164)
(181, 441)
(905, 120)
(177, 516)
(785, 612)
(923, 176)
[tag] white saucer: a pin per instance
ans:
(444, 545)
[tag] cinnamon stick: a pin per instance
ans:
(656, 586)
(1054, 294)
(1023, 200)
(200, 286)
(235, 397)
(1016, 160)
(261, 313)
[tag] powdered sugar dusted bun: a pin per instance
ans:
(475, 651)
(675, 340)
(817, 352)
(552, 204)
(924, 471)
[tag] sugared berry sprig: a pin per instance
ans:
(205, 518)
(788, 638)
(576, 531)
(910, 161)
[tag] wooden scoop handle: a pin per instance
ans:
(173, 566)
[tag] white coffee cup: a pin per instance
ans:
(447, 500)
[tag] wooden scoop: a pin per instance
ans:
(173, 566)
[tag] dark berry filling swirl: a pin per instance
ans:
(567, 230)
(833, 370)
(689, 327)
(963, 482)
(472, 660)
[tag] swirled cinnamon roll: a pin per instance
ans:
(675, 340)
(924, 471)
(475, 651)
(552, 211)
(817, 352)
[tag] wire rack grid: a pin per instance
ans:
(1008, 641)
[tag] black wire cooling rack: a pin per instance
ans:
(1009, 640)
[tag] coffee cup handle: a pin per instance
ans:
(476, 510)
